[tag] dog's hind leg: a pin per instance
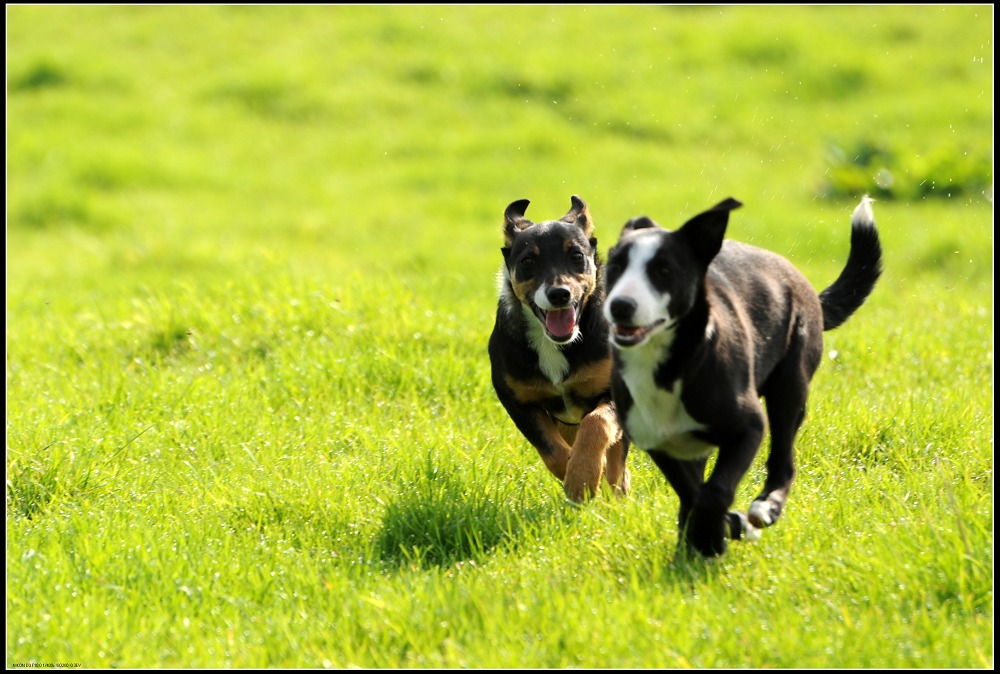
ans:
(597, 432)
(770, 503)
(785, 395)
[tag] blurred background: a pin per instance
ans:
(179, 138)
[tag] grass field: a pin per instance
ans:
(251, 258)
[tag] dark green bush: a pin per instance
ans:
(882, 170)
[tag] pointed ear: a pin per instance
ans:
(580, 215)
(514, 220)
(705, 231)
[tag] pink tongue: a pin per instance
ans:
(560, 322)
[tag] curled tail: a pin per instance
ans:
(864, 266)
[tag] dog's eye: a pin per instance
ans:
(577, 257)
(526, 265)
(661, 271)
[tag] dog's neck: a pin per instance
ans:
(669, 351)
(693, 330)
(649, 356)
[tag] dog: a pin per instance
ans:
(701, 330)
(549, 351)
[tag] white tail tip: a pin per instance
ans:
(863, 215)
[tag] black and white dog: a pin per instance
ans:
(703, 329)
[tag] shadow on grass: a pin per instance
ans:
(441, 520)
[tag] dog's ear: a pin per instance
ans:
(514, 220)
(642, 222)
(579, 214)
(705, 231)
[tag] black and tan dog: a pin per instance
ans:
(549, 351)
(702, 330)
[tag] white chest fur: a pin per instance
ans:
(551, 360)
(657, 419)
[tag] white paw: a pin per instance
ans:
(760, 511)
(750, 532)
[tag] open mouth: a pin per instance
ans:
(560, 324)
(633, 335)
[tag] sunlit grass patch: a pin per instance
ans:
(251, 260)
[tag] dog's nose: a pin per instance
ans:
(622, 309)
(558, 296)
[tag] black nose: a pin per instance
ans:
(558, 296)
(622, 309)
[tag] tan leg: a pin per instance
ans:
(559, 448)
(556, 462)
(598, 430)
(616, 472)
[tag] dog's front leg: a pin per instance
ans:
(615, 471)
(710, 522)
(556, 456)
(598, 431)
(544, 434)
(538, 427)
(686, 478)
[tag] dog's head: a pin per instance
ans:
(654, 276)
(550, 268)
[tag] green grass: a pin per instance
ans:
(250, 281)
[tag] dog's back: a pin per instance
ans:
(766, 312)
